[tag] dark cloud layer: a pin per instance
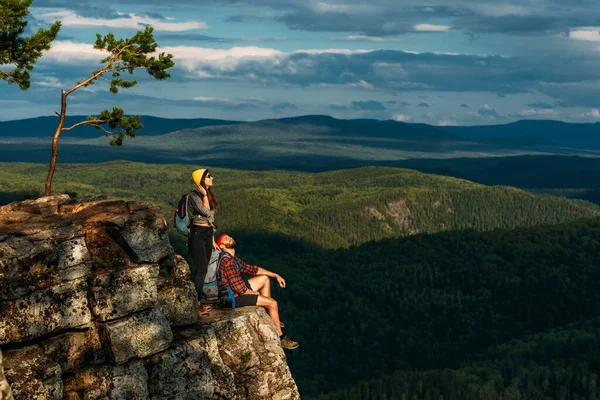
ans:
(397, 71)
(284, 106)
(335, 107)
(541, 104)
(570, 78)
(386, 17)
(82, 8)
(580, 94)
(520, 25)
(570, 82)
(391, 17)
(370, 105)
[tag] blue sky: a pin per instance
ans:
(464, 62)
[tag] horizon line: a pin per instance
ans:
(319, 115)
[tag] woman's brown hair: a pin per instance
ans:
(212, 199)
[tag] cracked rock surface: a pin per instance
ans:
(94, 304)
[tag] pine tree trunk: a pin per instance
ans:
(52, 166)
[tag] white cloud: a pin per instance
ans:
(401, 117)
(593, 113)
(70, 19)
(531, 112)
(447, 123)
(192, 58)
(68, 52)
(360, 84)
(488, 112)
(204, 99)
(50, 81)
(189, 58)
(361, 38)
(347, 52)
(208, 99)
(431, 28)
(357, 9)
(589, 33)
(203, 75)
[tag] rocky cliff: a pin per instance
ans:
(94, 304)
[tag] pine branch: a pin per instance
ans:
(88, 122)
(102, 71)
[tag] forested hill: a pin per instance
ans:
(506, 314)
(560, 364)
(389, 274)
(330, 209)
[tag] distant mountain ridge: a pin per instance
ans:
(303, 143)
(540, 131)
(45, 126)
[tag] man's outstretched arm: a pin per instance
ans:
(280, 280)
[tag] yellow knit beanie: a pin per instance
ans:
(197, 175)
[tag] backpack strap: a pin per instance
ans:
(187, 206)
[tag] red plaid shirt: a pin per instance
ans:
(231, 276)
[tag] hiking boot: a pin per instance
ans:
(203, 309)
(288, 343)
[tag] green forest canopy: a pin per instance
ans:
(329, 209)
(461, 312)
(440, 314)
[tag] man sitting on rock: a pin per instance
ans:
(235, 291)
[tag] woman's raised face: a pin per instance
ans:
(208, 180)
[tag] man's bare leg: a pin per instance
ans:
(261, 284)
(272, 309)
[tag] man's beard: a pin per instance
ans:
(231, 245)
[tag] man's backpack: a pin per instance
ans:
(230, 296)
(183, 218)
(210, 290)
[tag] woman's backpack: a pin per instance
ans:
(182, 218)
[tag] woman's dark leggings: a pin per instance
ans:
(200, 247)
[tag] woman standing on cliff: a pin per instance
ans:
(202, 205)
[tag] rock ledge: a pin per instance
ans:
(94, 304)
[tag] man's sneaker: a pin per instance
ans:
(288, 343)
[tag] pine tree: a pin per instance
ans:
(124, 55)
(17, 52)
